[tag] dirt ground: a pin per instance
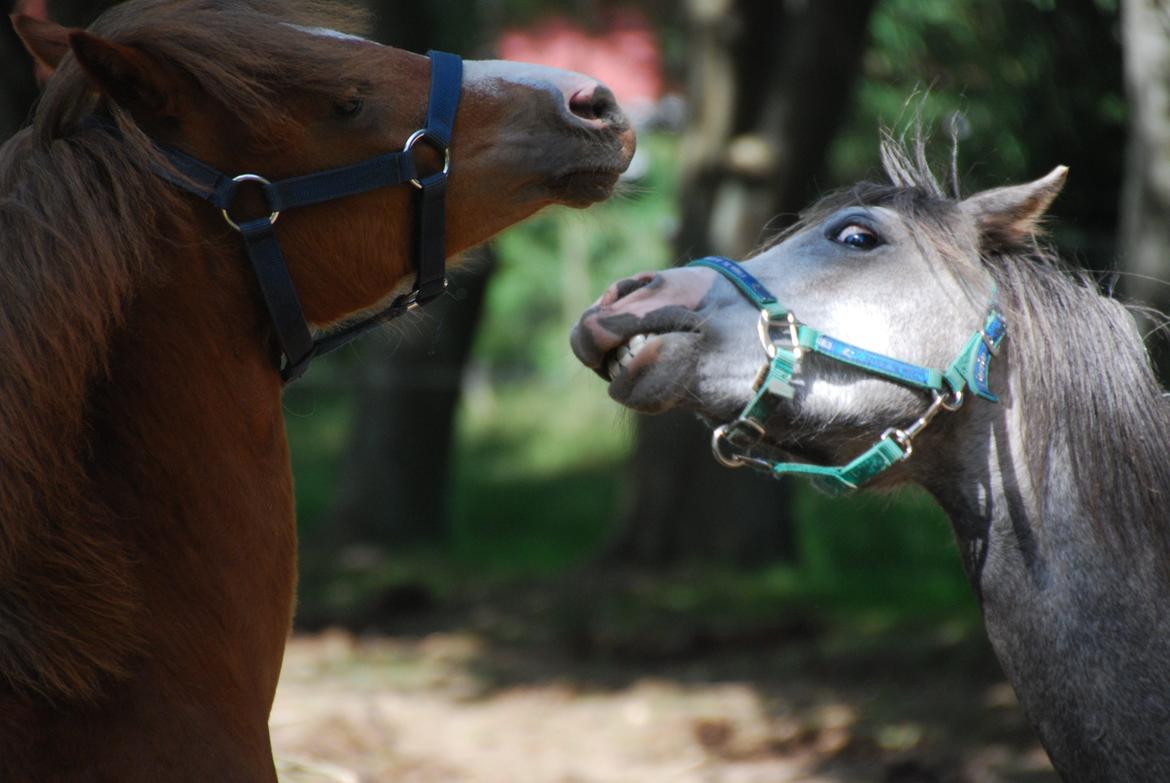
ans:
(452, 707)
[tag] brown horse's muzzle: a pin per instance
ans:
(562, 132)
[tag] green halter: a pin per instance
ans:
(786, 340)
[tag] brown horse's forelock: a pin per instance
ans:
(81, 222)
(1084, 372)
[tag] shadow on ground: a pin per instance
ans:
(574, 681)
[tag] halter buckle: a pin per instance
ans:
(420, 135)
(764, 329)
(272, 216)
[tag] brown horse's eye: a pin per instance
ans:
(348, 108)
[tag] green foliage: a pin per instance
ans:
(539, 479)
(555, 265)
(1024, 85)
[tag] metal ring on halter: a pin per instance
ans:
(717, 449)
(423, 133)
(952, 403)
(272, 216)
(719, 437)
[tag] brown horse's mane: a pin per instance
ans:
(82, 219)
(1076, 350)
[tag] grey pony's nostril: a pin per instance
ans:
(630, 285)
(596, 102)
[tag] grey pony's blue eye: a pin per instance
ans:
(856, 236)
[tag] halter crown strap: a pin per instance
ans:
(968, 371)
(295, 340)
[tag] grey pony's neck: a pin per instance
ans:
(1080, 625)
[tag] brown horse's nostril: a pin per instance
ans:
(596, 103)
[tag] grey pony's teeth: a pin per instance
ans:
(625, 354)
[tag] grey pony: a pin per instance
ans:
(1059, 495)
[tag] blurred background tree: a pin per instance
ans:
(765, 106)
(467, 447)
(1145, 234)
(392, 490)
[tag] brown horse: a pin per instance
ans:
(147, 543)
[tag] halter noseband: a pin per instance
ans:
(786, 340)
(297, 345)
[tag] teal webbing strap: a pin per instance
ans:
(846, 478)
(814, 341)
(776, 387)
(736, 274)
(969, 370)
(879, 364)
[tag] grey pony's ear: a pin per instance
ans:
(1010, 216)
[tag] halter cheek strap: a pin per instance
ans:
(786, 341)
(295, 340)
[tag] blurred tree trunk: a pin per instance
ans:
(393, 486)
(769, 83)
(1145, 213)
(18, 88)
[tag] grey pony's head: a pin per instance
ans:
(906, 269)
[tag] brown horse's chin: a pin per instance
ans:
(584, 188)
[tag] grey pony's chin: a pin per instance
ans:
(661, 385)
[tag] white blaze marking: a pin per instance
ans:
(488, 76)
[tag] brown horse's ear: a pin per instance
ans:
(46, 41)
(1010, 217)
(130, 77)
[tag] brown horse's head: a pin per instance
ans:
(256, 91)
(140, 300)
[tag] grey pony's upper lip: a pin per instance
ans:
(623, 326)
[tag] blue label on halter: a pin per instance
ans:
(875, 362)
(995, 328)
(739, 276)
(978, 374)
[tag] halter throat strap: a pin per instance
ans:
(786, 341)
(294, 337)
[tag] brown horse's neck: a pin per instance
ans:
(190, 456)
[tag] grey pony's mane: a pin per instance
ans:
(1084, 373)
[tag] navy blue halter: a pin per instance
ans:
(296, 342)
